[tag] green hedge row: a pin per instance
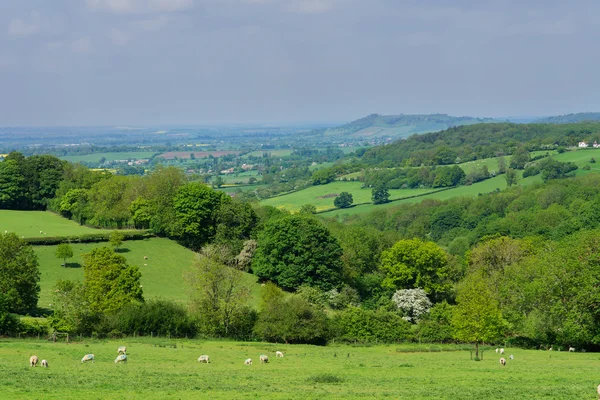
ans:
(86, 238)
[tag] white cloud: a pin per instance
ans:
(20, 27)
(139, 6)
(82, 45)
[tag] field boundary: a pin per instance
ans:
(86, 238)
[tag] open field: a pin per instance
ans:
(305, 372)
(130, 155)
(272, 153)
(322, 196)
(30, 223)
(197, 154)
(241, 177)
(161, 277)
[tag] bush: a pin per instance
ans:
(30, 326)
(357, 324)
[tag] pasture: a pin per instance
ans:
(30, 223)
(96, 157)
(162, 273)
(156, 369)
(322, 196)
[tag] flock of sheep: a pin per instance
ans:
(122, 358)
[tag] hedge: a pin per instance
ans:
(86, 238)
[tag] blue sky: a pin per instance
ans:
(148, 62)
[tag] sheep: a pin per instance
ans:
(121, 358)
(145, 257)
(33, 360)
(497, 350)
(511, 357)
(278, 354)
(204, 359)
(502, 351)
(248, 361)
(599, 391)
(41, 232)
(264, 358)
(503, 361)
(88, 357)
(122, 350)
(550, 349)
(45, 363)
(572, 349)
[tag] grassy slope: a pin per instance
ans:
(294, 201)
(161, 277)
(138, 155)
(365, 372)
(30, 223)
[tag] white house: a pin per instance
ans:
(583, 144)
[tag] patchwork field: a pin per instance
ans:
(322, 196)
(162, 272)
(305, 372)
(30, 223)
(130, 155)
(197, 154)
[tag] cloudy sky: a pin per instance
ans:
(146, 62)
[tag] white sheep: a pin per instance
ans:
(122, 350)
(572, 349)
(45, 363)
(278, 354)
(503, 361)
(599, 391)
(502, 351)
(550, 349)
(121, 358)
(497, 350)
(204, 359)
(88, 357)
(248, 361)
(33, 360)
(41, 232)
(145, 257)
(264, 358)
(511, 357)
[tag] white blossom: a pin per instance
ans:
(414, 303)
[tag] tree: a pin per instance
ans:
(344, 200)
(64, 251)
(71, 309)
(218, 292)
(298, 250)
(413, 303)
(116, 239)
(19, 273)
(501, 165)
(236, 221)
(308, 209)
(141, 213)
(218, 181)
(476, 317)
(416, 264)
(12, 182)
(519, 158)
(511, 177)
(380, 195)
(323, 176)
(9, 323)
(110, 282)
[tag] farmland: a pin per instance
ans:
(96, 157)
(161, 277)
(158, 370)
(30, 223)
(197, 154)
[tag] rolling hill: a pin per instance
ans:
(570, 118)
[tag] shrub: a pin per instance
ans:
(325, 378)
(357, 324)
(30, 326)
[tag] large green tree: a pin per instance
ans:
(416, 264)
(12, 182)
(64, 251)
(19, 273)
(110, 282)
(380, 195)
(298, 250)
(344, 200)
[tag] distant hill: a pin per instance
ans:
(399, 126)
(570, 118)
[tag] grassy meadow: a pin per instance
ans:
(96, 157)
(162, 272)
(30, 223)
(322, 196)
(305, 372)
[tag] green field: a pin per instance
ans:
(30, 223)
(320, 195)
(305, 372)
(127, 155)
(272, 153)
(162, 276)
(241, 177)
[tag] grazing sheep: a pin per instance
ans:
(88, 357)
(511, 357)
(550, 349)
(503, 361)
(122, 350)
(145, 257)
(45, 363)
(497, 350)
(264, 358)
(572, 349)
(204, 359)
(33, 360)
(41, 232)
(502, 351)
(248, 361)
(121, 358)
(599, 391)
(278, 354)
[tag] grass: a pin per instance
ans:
(272, 153)
(320, 195)
(241, 177)
(127, 155)
(306, 372)
(161, 277)
(30, 223)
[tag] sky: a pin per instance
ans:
(153, 62)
